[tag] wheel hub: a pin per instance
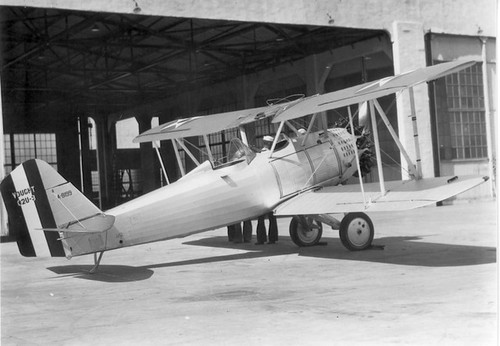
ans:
(358, 232)
(309, 232)
(305, 231)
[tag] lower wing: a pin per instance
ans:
(400, 195)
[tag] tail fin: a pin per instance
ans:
(39, 201)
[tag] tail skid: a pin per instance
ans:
(97, 261)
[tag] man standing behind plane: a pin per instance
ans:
(273, 225)
(261, 229)
(235, 234)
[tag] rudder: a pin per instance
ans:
(37, 198)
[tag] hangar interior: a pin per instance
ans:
(70, 77)
(78, 86)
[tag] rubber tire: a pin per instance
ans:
(364, 231)
(298, 235)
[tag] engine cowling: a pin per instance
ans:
(364, 145)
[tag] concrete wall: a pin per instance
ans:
(460, 17)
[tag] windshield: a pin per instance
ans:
(237, 152)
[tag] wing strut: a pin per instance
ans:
(377, 149)
(190, 154)
(177, 156)
(357, 157)
(293, 128)
(207, 145)
(411, 165)
(311, 124)
(276, 138)
(415, 133)
(155, 144)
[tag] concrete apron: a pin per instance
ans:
(434, 282)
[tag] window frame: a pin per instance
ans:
(34, 145)
(461, 116)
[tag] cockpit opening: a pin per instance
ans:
(238, 152)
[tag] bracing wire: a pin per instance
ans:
(389, 108)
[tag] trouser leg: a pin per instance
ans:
(230, 232)
(238, 238)
(273, 228)
(261, 230)
(247, 231)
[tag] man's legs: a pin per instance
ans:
(247, 231)
(273, 228)
(261, 230)
(238, 238)
(230, 232)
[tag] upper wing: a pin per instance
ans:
(202, 125)
(197, 126)
(370, 90)
(401, 195)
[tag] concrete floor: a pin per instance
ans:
(434, 283)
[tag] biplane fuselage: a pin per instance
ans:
(211, 197)
(49, 216)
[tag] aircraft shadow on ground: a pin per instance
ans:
(390, 250)
(105, 273)
(409, 251)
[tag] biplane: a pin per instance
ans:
(302, 175)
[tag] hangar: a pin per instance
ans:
(79, 79)
(76, 78)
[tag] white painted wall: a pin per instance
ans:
(461, 17)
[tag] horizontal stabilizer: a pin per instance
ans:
(400, 195)
(94, 224)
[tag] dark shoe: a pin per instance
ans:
(271, 242)
(259, 243)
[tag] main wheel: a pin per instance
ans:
(305, 231)
(356, 231)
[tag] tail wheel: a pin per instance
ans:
(305, 231)
(356, 231)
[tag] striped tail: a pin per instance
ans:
(48, 216)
